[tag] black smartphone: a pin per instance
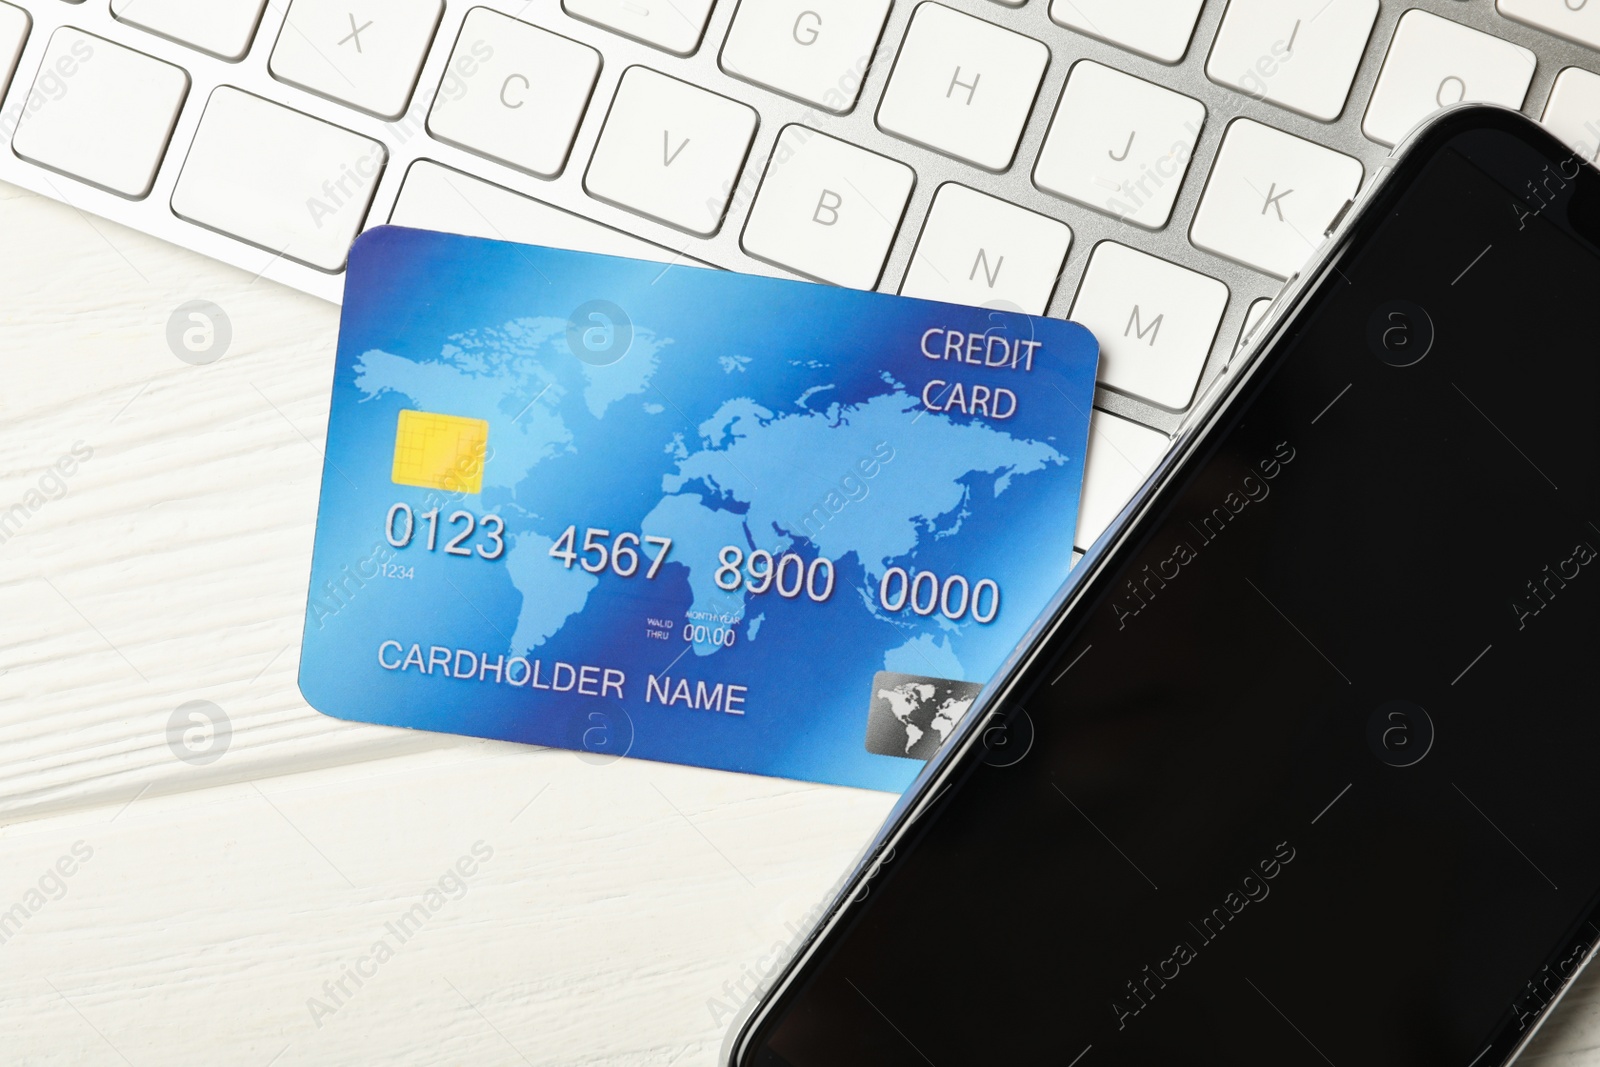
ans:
(1301, 767)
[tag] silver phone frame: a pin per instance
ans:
(1197, 429)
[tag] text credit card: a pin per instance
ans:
(681, 514)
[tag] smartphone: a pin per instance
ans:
(1300, 767)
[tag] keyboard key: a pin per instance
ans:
(223, 28)
(1159, 29)
(1576, 20)
(1270, 197)
(670, 150)
(671, 25)
(827, 209)
(963, 86)
(1573, 111)
(1155, 321)
(1119, 144)
(514, 92)
(111, 124)
(978, 250)
(1121, 456)
(14, 23)
(292, 184)
(813, 50)
(435, 197)
(1300, 54)
(365, 53)
(1433, 63)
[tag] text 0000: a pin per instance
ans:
(925, 593)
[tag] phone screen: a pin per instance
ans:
(1309, 776)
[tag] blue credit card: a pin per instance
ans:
(680, 514)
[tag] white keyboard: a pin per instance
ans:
(1153, 168)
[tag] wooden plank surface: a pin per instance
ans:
(532, 907)
(224, 905)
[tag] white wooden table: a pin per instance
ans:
(229, 890)
(223, 903)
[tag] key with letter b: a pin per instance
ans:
(827, 208)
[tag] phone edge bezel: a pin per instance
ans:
(1213, 401)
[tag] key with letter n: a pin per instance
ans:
(976, 249)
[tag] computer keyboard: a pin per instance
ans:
(1152, 168)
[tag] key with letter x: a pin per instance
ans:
(365, 53)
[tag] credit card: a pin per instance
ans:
(680, 514)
